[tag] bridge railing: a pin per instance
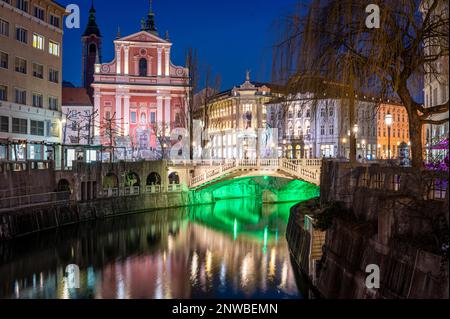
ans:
(306, 169)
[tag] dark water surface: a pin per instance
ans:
(233, 249)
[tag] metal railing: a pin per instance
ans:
(33, 200)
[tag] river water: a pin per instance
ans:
(233, 249)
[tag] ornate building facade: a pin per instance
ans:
(141, 98)
(315, 127)
(235, 124)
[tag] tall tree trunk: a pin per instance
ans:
(415, 126)
(415, 129)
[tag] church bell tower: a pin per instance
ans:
(92, 51)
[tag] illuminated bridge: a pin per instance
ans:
(211, 172)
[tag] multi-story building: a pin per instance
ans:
(30, 79)
(78, 121)
(235, 123)
(397, 136)
(311, 127)
(141, 98)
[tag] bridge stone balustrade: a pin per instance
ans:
(305, 169)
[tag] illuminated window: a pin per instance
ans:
(53, 48)
(38, 41)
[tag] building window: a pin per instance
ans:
(331, 111)
(4, 28)
(19, 126)
(38, 70)
(143, 67)
(38, 41)
(21, 65)
(435, 97)
(53, 103)
(20, 96)
(152, 117)
(331, 129)
(21, 35)
(133, 118)
(53, 48)
(322, 112)
(37, 100)
(39, 13)
(22, 5)
(55, 21)
(308, 113)
(53, 75)
(4, 58)
(322, 130)
(37, 128)
(4, 124)
(3, 93)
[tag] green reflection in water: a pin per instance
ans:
(271, 189)
(253, 213)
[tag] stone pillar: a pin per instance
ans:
(167, 62)
(167, 115)
(159, 111)
(126, 61)
(126, 115)
(159, 61)
(96, 114)
(149, 66)
(119, 59)
(119, 113)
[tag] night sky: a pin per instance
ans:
(230, 36)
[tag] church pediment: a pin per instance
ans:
(142, 36)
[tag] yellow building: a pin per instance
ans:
(30, 78)
(235, 124)
(399, 130)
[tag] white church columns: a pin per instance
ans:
(167, 61)
(159, 61)
(167, 114)
(126, 60)
(119, 60)
(118, 116)
(126, 115)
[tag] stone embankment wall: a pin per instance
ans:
(20, 222)
(395, 218)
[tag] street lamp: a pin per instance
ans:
(389, 120)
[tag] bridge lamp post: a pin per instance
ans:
(389, 120)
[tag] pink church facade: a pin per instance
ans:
(141, 99)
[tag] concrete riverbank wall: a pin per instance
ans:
(24, 221)
(393, 218)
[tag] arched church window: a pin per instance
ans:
(143, 67)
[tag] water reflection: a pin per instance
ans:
(234, 249)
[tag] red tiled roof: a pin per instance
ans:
(75, 97)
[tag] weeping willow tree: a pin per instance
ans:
(327, 43)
